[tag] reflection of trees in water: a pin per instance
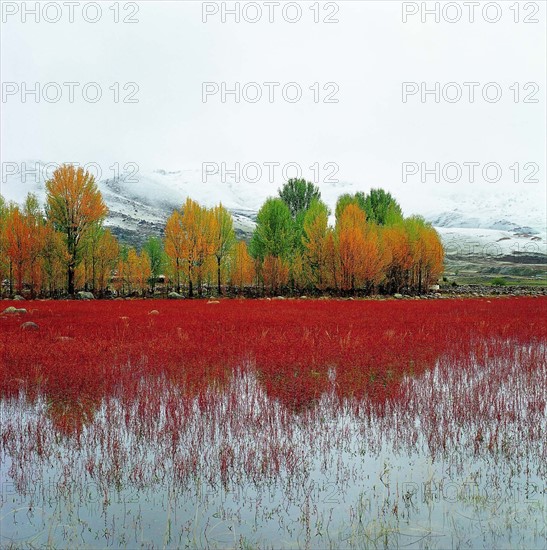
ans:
(70, 416)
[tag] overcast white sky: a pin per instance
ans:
(369, 53)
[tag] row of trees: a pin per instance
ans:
(370, 247)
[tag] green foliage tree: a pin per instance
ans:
(154, 248)
(298, 194)
(273, 235)
(380, 207)
(345, 200)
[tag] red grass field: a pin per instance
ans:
(92, 349)
(301, 400)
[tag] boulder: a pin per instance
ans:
(14, 310)
(29, 325)
(397, 296)
(82, 295)
(18, 298)
(175, 296)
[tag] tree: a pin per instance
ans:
(350, 233)
(108, 251)
(189, 242)
(314, 240)
(397, 257)
(73, 204)
(154, 249)
(298, 194)
(175, 244)
(4, 262)
(275, 273)
(380, 207)
(24, 235)
(273, 233)
(200, 229)
(242, 268)
(90, 254)
(35, 223)
(144, 271)
(54, 256)
(343, 201)
(373, 264)
(17, 235)
(426, 252)
(224, 238)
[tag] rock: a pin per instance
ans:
(213, 302)
(279, 298)
(14, 311)
(18, 298)
(397, 296)
(154, 312)
(82, 295)
(303, 297)
(175, 296)
(29, 325)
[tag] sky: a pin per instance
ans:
(160, 57)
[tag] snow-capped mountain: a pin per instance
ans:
(502, 222)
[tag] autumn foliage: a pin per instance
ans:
(370, 248)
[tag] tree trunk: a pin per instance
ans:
(218, 277)
(11, 278)
(71, 279)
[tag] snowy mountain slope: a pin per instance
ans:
(506, 221)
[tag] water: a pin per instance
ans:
(454, 457)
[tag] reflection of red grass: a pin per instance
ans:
(87, 350)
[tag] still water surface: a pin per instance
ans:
(454, 458)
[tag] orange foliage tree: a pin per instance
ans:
(190, 241)
(74, 204)
(242, 270)
(223, 239)
(315, 240)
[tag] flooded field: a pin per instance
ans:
(335, 424)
